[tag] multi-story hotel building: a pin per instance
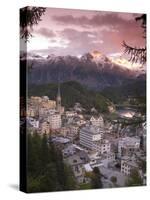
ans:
(91, 137)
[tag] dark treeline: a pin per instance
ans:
(45, 167)
(71, 93)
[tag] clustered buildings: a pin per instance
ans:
(87, 141)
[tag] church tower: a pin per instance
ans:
(58, 99)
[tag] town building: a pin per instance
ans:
(107, 159)
(102, 146)
(128, 164)
(60, 142)
(44, 127)
(97, 121)
(33, 122)
(77, 165)
(49, 104)
(97, 159)
(70, 113)
(74, 129)
(90, 136)
(69, 150)
(31, 111)
(64, 131)
(105, 146)
(55, 121)
(128, 145)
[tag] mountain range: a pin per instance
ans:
(94, 70)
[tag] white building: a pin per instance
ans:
(55, 121)
(128, 145)
(45, 98)
(101, 160)
(33, 122)
(51, 111)
(90, 137)
(102, 146)
(70, 113)
(97, 121)
(127, 165)
(105, 147)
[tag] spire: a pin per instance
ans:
(58, 98)
(58, 90)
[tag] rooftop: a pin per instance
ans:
(60, 140)
(130, 140)
(91, 129)
(74, 160)
(88, 168)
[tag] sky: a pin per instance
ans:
(76, 32)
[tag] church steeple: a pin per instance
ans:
(58, 98)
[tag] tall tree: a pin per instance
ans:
(33, 151)
(114, 180)
(45, 153)
(46, 170)
(134, 179)
(96, 178)
(70, 181)
(29, 16)
(137, 54)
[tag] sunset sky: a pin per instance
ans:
(75, 32)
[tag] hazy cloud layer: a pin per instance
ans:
(46, 32)
(111, 19)
(76, 32)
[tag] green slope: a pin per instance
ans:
(71, 93)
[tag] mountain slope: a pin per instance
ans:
(71, 93)
(93, 70)
(119, 94)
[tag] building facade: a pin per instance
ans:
(90, 136)
(127, 165)
(128, 145)
(97, 121)
(55, 121)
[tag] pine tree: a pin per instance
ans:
(137, 54)
(134, 179)
(45, 153)
(46, 170)
(96, 178)
(29, 16)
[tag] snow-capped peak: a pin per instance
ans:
(99, 57)
(123, 62)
